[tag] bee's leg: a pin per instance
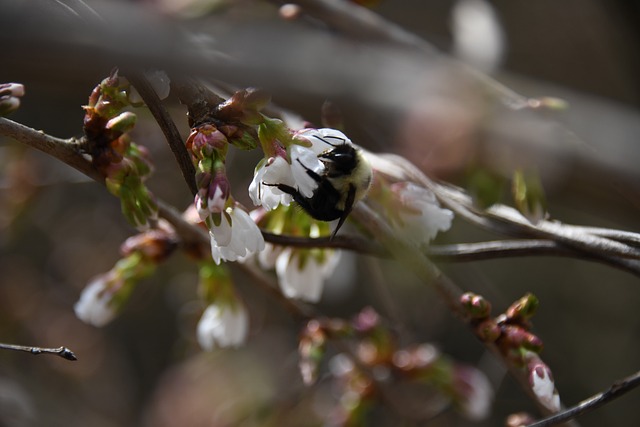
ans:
(310, 172)
(284, 188)
(348, 205)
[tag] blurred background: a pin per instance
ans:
(58, 229)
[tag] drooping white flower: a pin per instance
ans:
(269, 256)
(477, 34)
(223, 326)
(420, 214)
(301, 275)
(276, 170)
(541, 381)
(476, 392)
(236, 237)
(95, 304)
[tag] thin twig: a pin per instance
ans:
(168, 127)
(616, 390)
(63, 352)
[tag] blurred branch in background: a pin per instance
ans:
(401, 95)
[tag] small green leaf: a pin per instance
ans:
(528, 195)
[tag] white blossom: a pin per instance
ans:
(95, 304)
(304, 279)
(223, 326)
(421, 215)
(477, 34)
(543, 387)
(236, 237)
(477, 395)
(274, 171)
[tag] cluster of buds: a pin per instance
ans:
(215, 124)
(124, 164)
(511, 332)
(377, 358)
(105, 296)
(207, 147)
(10, 94)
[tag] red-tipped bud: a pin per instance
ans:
(475, 306)
(518, 337)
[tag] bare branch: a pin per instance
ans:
(65, 150)
(63, 352)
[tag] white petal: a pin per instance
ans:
(94, 306)
(303, 159)
(477, 404)
(268, 257)
(222, 233)
(223, 327)
(243, 239)
(277, 171)
(255, 189)
(305, 284)
(423, 217)
(323, 139)
(216, 201)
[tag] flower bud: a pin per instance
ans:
(541, 381)
(10, 94)
(488, 330)
(153, 245)
(518, 337)
(204, 140)
(523, 309)
(475, 306)
(123, 122)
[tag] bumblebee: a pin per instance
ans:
(344, 180)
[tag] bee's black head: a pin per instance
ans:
(340, 160)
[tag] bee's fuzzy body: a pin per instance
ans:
(344, 180)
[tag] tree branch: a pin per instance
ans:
(168, 127)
